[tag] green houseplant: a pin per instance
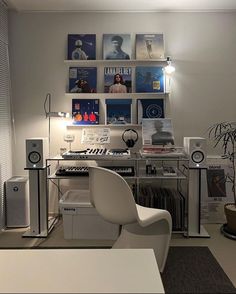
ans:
(224, 135)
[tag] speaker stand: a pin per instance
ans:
(195, 229)
(203, 233)
(40, 226)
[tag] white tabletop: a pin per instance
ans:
(79, 271)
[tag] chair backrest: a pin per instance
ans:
(111, 196)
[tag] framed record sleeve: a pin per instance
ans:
(150, 108)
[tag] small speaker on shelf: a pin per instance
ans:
(195, 147)
(37, 151)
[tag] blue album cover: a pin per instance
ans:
(81, 47)
(117, 80)
(85, 111)
(149, 46)
(118, 111)
(149, 79)
(116, 46)
(150, 108)
(82, 79)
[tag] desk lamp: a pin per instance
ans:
(50, 114)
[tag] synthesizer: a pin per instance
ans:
(97, 153)
(124, 153)
(72, 171)
(125, 171)
(89, 153)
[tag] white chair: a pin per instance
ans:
(142, 227)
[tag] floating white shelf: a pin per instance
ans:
(103, 126)
(125, 61)
(115, 95)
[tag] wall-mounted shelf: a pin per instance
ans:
(115, 95)
(104, 126)
(115, 61)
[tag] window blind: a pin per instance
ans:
(5, 115)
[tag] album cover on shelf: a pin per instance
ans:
(118, 111)
(117, 80)
(149, 79)
(81, 47)
(150, 108)
(85, 111)
(82, 79)
(157, 131)
(149, 46)
(116, 46)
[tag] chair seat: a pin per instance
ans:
(148, 215)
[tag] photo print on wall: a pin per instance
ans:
(117, 80)
(85, 111)
(149, 46)
(149, 79)
(116, 46)
(149, 108)
(82, 79)
(81, 47)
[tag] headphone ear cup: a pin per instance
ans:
(130, 143)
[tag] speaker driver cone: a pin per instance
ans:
(34, 157)
(197, 156)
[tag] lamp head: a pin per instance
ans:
(169, 69)
(57, 114)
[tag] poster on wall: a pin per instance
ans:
(85, 111)
(149, 108)
(82, 79)
(149, 46)
(218, 192)
(81, 47)
(117, 80)
(149, 79)
(95, 136)
(116, 46)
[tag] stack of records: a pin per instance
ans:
(164, 198)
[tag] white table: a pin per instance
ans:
(79, 271)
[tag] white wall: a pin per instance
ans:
(202, 45)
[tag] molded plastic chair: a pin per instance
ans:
(142, 227)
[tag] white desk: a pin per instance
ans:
(79, 271)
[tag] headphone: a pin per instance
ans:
(130, 142)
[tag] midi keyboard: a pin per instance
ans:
(124, 171)
(97, 153)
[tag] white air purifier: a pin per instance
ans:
(17, 202)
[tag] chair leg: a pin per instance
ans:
(156, 236)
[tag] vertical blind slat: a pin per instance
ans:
(5, 116)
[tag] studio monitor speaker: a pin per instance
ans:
(37, 151)
(195, 147)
